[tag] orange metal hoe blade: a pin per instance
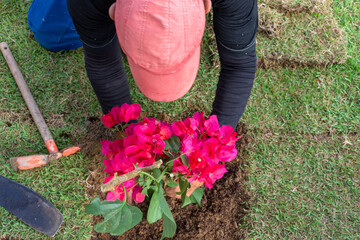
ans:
(70, 150)
(35, 161)
(28, 162)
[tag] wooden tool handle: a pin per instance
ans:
(25, 91)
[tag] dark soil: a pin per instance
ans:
(222, 208)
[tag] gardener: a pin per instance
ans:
(161, 39)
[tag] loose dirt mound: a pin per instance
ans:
(223, 207)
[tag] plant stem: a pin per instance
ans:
(117, 180)
(125, 199)
(149, 175)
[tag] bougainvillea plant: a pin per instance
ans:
(152, 155)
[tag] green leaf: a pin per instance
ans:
(169, 228)
(145, 190)
(154, 211)
(183, 183)
(145, 182)
(96, 207)
(197, 195)
(186, 202)
(118, 216)
(185, 160)
(164, 206)
(169, 222)
(171, 183)
(151, 191)
(141, 179)
(170, 165)
(172, 145)
(156, 172)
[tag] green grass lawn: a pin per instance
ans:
(304, 124)
(305, 157)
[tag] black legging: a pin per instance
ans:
(235, 26)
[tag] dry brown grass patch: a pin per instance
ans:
(291, 33)
(297, 33)
(271, 22)
(298, 5)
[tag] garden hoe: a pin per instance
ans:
(34, 161)
(30, 207)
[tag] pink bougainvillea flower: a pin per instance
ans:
(132, 150)
(209, 174)
(191, 124)
(158, 144)
(148, 138)
(148, 120)
(130, 140)
(118, 193)
(227, 135)
(203, 141)
(227, 153)
(146, 162)
(126, 112)
(182, 128)
(137, 195)
(135, 153)
(108, 120)
(130, 129)
(178, 128)
(122, 164)
(141, 157)
(110, 149)
(109, 168)
(107, 147)
(165, 132)
(199, 117)
(144, 141)
(132, 112)
(217, 171)
(211, 125)
(198, 160)
(189, 144)
(118, 113)
(178, 166)
(116, 161)
(147, 128)
(121, 114)
(144, 133)
(211, 147)
(162, 128)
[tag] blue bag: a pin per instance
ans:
(52, 25)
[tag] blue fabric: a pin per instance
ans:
(52, 25)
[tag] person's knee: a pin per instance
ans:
(95, 28)
(235, 24)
